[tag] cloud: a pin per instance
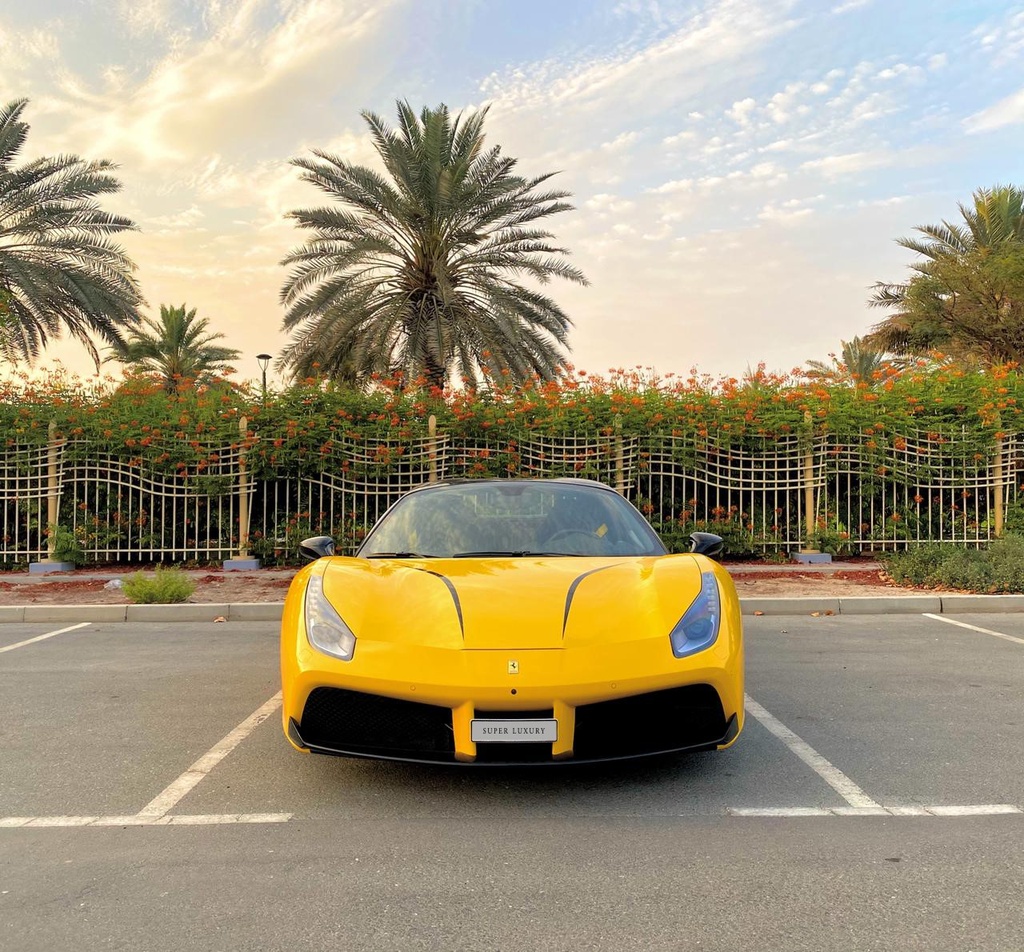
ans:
(785, 213)
(741, 111)
(849, 5)
(621, 142)
(145, 17)
(215, 93)
(1006, 112)
(1002, 42)
(186, 219)
(837, 166)
(724, 31)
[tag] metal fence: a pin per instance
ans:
(763, 495)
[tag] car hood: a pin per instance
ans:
(512, 603)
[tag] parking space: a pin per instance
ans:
(915, 710)
(151, 730)
(906, 712)
(98, 720)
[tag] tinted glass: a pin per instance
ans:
(512, 517)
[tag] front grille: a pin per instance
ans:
(674, 719)
(524, 753)
(352, 722)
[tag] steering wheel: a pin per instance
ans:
(591, 541)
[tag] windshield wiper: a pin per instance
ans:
(400, 555)
(497, 553)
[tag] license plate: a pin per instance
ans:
(514, 731)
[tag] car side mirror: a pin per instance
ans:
(319, 547)
(707, 543)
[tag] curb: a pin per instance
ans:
(271, 611)
(206, 612)
(885, 605)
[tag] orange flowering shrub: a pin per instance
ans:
(307, 424)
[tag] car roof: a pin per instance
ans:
(565, 480)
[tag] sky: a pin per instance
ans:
(741, 169)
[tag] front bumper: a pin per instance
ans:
(347, 723)
(416, 703)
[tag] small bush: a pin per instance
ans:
(163, 587)
(997, 569)
(65, 545)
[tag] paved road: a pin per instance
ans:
(873, 803)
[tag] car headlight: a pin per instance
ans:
(698, 628)
(324, 626)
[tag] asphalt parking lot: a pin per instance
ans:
(149, 801)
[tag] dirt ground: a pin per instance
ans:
(270, 585)
(222, 587)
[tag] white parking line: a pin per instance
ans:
(980, 809)
(136, 819)
(831, 774)
(984, 631)
(164, 801)
(157, 811)
(49, 634)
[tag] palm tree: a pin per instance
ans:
(59, 270)
(967, 296)
(859, 363)
(178, 349)
(419, 271)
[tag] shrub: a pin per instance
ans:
(997, 569)
(915, 566)
(163, 587)
(65, 545)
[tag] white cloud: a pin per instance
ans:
(837, 166)
(188, 218)
(786, 213)
(724, 31)
(605, 204)
(884, 202)
(679, 138)
(210, 94)
(621, 142)
(677, 185)
(741, 111)
(144, 17)
(1006, 112)
(849, 5)
(1003, 42)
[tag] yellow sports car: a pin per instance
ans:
(512, 621)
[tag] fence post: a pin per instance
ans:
(620, 463)
(432, 448)
(997, 489)
(809, 553)
(242, 561)
(49, 563)
(52, 501)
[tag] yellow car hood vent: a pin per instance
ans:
(498, 603)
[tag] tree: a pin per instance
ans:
(178, 348)
(858, 363)
(967, 296)
(59, 270)
(419, 271)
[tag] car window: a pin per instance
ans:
(513, 517)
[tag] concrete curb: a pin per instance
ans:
(271, 611)
(885, 605)
(204, 612)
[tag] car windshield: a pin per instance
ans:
(511, 518)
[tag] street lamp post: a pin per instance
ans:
(264, 362)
